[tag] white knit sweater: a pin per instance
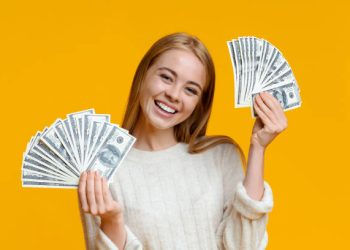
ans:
(176, 200)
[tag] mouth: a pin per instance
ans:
(165, 108)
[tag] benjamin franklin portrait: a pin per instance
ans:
(109, 156)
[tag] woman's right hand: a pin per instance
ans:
(95, 198)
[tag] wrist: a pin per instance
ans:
(115, 220)
(257, 147)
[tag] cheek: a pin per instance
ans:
(150, 91)
(190, 105)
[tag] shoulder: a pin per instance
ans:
(222, 152)
(217, 145)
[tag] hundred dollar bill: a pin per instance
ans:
(52, 141)
(234, 64)
(76, 133)
(35, 161)
(30, 171)
(286, 93)
(271, 58)
(248, 62)
(99, 133)
(68, 131)
(112, 152)
(88, 124)
(56, 156)
(33, 179)
(41, 184)
(257, 64)
(280, 65)
(41, 148)
(239, 60)
(244, 67)
(61, 134)
(30, 179)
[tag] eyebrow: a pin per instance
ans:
(174, 73)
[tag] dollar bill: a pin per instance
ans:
(59, 131)
(89, 132)
(33, 160)
(111, 153)
(41, 148)
(75, 133)
(35, 179)
(56, 156)
(234, 64)
(51, 140)
(258, 66)
(286, 93)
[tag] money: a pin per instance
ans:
(259, 66)
(112, 150)
(286, 93)
(57, 156)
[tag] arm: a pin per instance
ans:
(245, 214)
(270, 123)
(254, 178)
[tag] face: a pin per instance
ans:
(108, 158)
(172, 88)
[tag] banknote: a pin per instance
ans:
(286, 93)
(259, 66)
(56, 156)
(111, 152)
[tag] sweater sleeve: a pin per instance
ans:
(96, 239)
(243, 225)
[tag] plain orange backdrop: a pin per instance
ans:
(58, 57)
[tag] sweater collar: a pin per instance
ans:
(169, 153)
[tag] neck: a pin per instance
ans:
(150, 138)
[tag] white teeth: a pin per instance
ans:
(165, 108)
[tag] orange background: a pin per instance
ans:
(58, 57)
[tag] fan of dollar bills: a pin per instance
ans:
(83, 141)
(259, 66)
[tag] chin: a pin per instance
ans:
(162, 125)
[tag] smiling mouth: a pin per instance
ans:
(165, 108)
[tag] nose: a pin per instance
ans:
(173, 93)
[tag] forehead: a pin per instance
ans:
(186, 65)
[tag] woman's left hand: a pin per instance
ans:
(270, 122)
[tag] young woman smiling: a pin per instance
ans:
(179, 188)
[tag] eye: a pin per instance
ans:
(192, 90)
(166, 77)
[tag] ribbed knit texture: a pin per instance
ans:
(176, 200)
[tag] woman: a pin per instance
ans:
(178, 188)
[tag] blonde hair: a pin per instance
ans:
(193, 129)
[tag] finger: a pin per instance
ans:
(82, 192)
(107, 197)
(278, 110)
(272, 102)
(265, 109)
(90, 190)
(265, 119)
(98, 194)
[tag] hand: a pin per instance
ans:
(96, 199)
(270, 122)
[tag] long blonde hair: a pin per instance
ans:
(193, 129)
